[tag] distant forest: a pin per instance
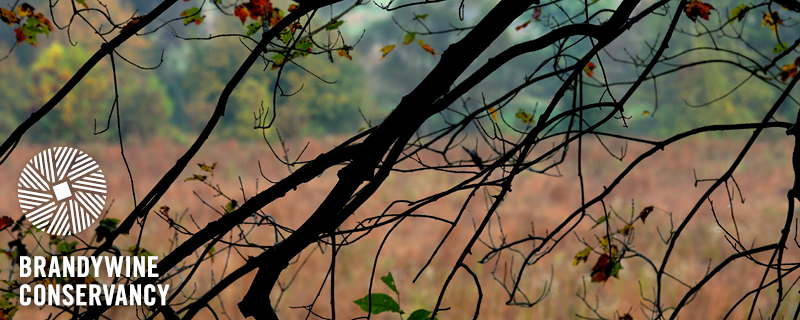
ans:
(173, 98)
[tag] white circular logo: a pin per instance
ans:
(62, 191)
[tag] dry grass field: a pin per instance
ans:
(538, 203)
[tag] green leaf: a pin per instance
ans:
(67, 247)
(110, 223)
(304, 45)
(211, 252)
(231, 206)
(139, 251)
(278, 59)
(286, 36)
(35, 24)
(255, 27)
(780, 47)
(599, 221)
(192, 15)
(380, 303)
(105, 228)
(389, 281)
(615, 269)
(335, 25)
(409, 38)
(420, 314)
(83, 3)
(738, 12)
(421, 16)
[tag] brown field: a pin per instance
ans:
(665, 181)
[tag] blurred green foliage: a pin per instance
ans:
(323, 94)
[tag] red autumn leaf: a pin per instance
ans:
(589, 69)
(645, 212)
(697, 8)
(522, 26)
(8, 16)
(602, 269)
(241, 12)
(5, 222)
(19, 35)
(537, 13)
(606, 267)
(133, 21)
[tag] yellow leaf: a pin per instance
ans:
(385, 50)
(493, 113)
(581, 256)
(645, 113)
(772, 20)
(207, 168)
(196, 177)
(524, 117)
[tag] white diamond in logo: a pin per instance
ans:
(62, 191)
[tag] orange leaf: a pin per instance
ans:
(241, 12)
(292, 7)
(697, 8)
(344, 53)
(5, 222)
(589, 69)
(427, 48)
(8, 16)
(385, 50)
(789, 71)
